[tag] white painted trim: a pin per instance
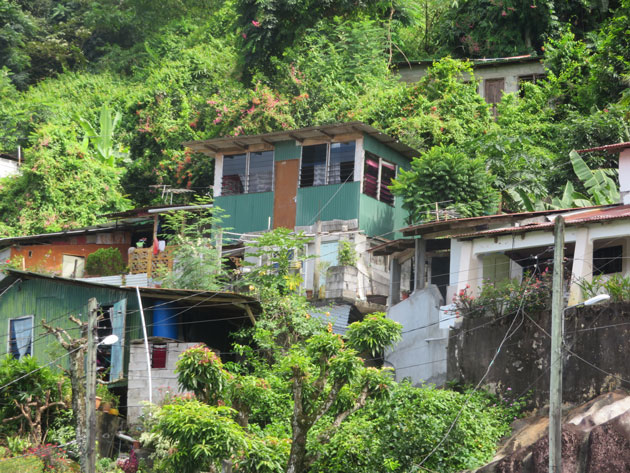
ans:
(358, 162)
(218, 175)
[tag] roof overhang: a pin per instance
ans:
(182, 296)
(133, 224)
(455, 226)
(236, 144)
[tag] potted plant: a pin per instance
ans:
(109, 400)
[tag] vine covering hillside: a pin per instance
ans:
(180, 70)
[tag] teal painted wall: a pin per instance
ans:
(344, 204)
(379, 219)
(54, 301)
(284, 150)
(385, 152)
(246, 212)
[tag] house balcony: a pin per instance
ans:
(142, 260)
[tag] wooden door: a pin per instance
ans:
(285, 193)
(493, 89)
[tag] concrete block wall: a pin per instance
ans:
(163, 380)
(342, 282)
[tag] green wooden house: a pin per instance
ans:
(27, 298)
(293, 178)
(336, 174)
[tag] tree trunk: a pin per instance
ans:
(298, 451)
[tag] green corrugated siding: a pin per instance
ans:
(344, 205)
(246, 212)
(284, 150)
(54, 301)
(385, 152)
(379, 219)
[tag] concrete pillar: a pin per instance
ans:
(582, 268)
(470, 269)
(624, 176)
(420, 262)
(394, 281)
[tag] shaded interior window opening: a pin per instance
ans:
(247, 173)
(21, 336)
(608, 260)
(328, 163)
(377, 177)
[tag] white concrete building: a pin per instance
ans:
(492, 249)
(495, 75)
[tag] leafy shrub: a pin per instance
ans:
(21, 464)
(444, 173)
(43, 380)
(105, 262)
(398, 432)
(204, 434)
(502, 298)
(347, 255)
(617, 286)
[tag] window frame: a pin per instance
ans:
(247, 170)
(32, 347)
(373, 156)
(327, 165)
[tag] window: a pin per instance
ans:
(608, 260)
(328, 163)
(377, 177)
(158, 355)
(21, 336)
(247, 173)
(72, 266)
(532, 78)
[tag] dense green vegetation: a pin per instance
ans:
(192, 69)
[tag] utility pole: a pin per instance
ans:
(557, 328)
(90, 392)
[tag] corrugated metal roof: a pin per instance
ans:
(242, 143)
(101, 228)
(609, 148)
(575, 217)
(218, 297)
(339, 316)
(452, 224)
(477, 62)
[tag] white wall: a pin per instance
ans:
(8, 167)
(421, 354)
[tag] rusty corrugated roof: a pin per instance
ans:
(609, 148)
(590, 215)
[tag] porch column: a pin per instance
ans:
(420, 259)
(394, 281)
(582, 268)
(469, 269)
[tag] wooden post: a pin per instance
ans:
(557, 325)
(156, 222)
(219, 245)
(90, 408)
(419, 260)
(318, 249)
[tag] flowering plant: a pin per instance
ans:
(497, 299)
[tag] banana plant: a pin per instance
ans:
(600, 187)
(103, 141)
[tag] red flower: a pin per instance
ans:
(256, 23)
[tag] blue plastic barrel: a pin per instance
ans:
(165, 320)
